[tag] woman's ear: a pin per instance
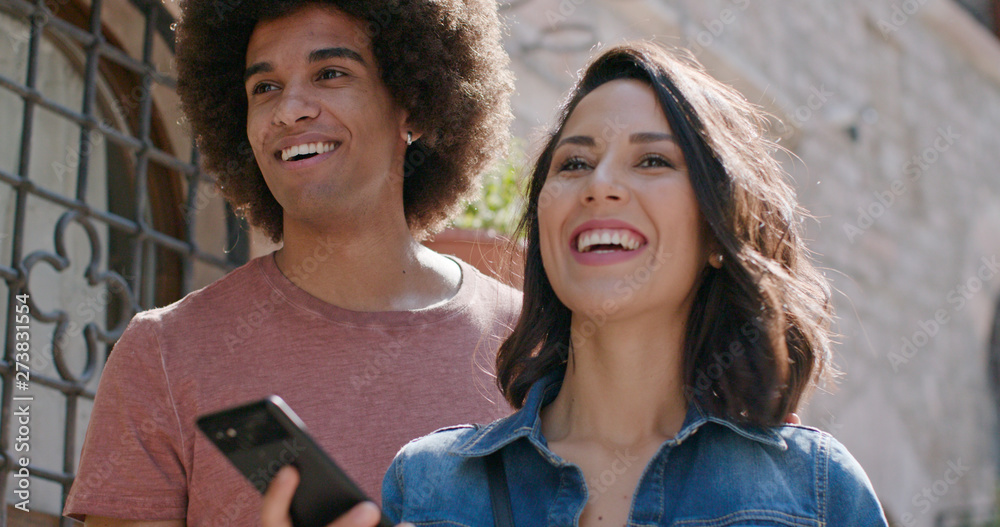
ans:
(715, 253)
(715, 256)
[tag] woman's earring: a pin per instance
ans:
(409, 138)
(716, 260)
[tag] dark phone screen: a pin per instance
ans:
(259, 446)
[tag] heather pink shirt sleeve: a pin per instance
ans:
(131, 462)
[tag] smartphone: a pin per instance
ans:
(262, 437)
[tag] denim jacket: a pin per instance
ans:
(713, 473)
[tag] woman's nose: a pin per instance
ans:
(604, 186)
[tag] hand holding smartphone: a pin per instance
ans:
(275, 510)
(262, 437)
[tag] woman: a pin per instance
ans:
(671, 318)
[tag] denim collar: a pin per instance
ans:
(527, 423)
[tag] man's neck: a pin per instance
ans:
(367, 269)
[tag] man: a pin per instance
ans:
(347, 130)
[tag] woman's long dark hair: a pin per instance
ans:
(758, 333)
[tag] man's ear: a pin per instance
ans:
(407, 128)
(410, 135)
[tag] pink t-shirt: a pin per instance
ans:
(363, 383)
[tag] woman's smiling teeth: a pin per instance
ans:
(306, 150)
(608, 240)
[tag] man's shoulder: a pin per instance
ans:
(491, 292)
(236, 288)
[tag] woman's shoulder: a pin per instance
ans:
(819, 447)
(443, 441)
(835, 469)
(812, 464)
(430, 475)
(812, 442)
(439, 452)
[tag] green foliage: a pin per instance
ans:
(501, 200)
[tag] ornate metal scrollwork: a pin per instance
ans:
(92, 332)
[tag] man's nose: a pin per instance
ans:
(294, 106)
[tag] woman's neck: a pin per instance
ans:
(623, 384)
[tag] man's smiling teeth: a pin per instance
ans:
(308, 148)
(597, 239)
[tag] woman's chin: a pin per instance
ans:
(601, 307)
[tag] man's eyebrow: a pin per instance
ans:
(336, 53)
(316, 56)
(254, 69)
(582, 140)
(649, 137)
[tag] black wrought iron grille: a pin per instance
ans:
(138, 217)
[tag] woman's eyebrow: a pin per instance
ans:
(582, 140)
(649, 137)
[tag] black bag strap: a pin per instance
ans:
(499, 494)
